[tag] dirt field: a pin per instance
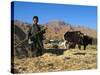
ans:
(73, 59)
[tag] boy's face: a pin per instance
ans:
(35, 21)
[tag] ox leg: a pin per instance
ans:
(84, 47)
(70, 45)
(79, 46)
(74, 45)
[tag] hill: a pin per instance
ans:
(56, 29)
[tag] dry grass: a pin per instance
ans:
(73, 59)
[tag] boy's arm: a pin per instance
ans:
(43, 29)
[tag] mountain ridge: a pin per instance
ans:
(56, 29)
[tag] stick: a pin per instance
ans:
(27, 39)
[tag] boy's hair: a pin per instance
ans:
(35, 17)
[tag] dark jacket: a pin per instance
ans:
(37, 39)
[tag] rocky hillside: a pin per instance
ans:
(56, 29)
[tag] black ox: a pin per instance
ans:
(76, 37)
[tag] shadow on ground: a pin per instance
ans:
(54, 51)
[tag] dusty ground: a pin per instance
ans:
(73, 59)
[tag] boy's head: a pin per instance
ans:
(35, 19)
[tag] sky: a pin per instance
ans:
(73, 14)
